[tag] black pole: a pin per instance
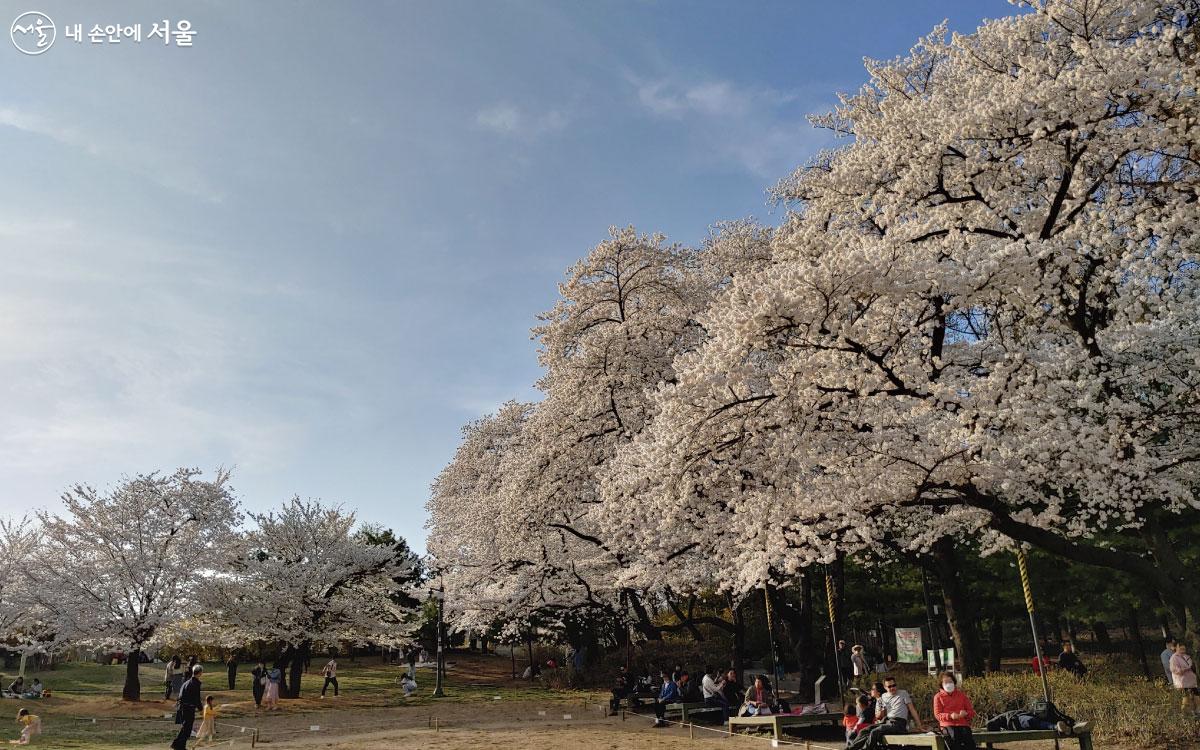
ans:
(771, 639)
(441, 658)
(933, 635)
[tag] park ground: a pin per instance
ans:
(484, 708)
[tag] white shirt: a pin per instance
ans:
(709, 687)
(331, 668)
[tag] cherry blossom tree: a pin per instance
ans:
(625, 312)
(980, 320)
(22, 621)
(115, 568)
(302, 577)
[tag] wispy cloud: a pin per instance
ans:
(508, 119)
(758, 128)
(142, 160)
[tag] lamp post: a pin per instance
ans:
(439, 595)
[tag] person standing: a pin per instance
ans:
(1165, 657)
(259, 685)
(844, 664)
(1183, 677)
(174, 677)
(169, 678)
(274, 680)
(412, 662)
(954, 712)
(330, 672)
(858, 661)
(231, 664)
(1069, 660)
(208, 722)
(189, 704)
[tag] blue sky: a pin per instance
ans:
(312, 245)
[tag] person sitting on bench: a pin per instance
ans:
(892, 713)
(668, 693)
(623, 687)
(689, 691)
(954, 712)
(712, 686)
(760, 701)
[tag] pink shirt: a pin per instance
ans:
(1183, 671)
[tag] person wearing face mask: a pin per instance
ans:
(954, 713)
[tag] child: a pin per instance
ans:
(849, 721)
(864, 717)
(407, 684)
(30, 725)
(208, 726)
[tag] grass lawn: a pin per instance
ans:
(86, 710)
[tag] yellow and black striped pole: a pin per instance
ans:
(1023, 565)
(831, 604)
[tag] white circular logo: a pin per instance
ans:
(32, 33)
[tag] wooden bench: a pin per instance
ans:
(690, 708)
(990, 739)
(778, 721)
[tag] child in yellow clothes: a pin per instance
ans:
(30, 725)
(208, 726)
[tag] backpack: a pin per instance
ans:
(1047, 711)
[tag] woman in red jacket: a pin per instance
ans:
(954, 713)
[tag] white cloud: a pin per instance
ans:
(507, 119)
(758, 128)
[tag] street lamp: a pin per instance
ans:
(439, 595)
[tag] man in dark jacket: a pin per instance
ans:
(189, 704)
(231, 664)
(1069, 660)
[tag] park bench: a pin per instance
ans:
(685, 709)
(991, 739)
(777, 722)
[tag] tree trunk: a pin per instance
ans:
(739, 637)
(995, 643)
(1135, 631)
(282, 663)
(644, 623)
(132, 691)
(529, 649)
(301, 656)
(960, 614)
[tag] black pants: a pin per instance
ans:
(232, 676)
(185, 729)
(660, 710)
(330, 681)
(617, 695)
(718, 701)
(959, 738)
(873, 738)
(257, 688)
